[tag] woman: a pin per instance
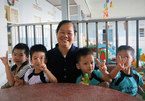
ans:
(61, 59)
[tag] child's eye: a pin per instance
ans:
(91, 62)
(85, 63)
(14, 54)
(126, 56)
(41, 58)
(21, 55)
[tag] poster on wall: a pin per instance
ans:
(12, 14)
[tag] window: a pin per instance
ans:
(141, 32)
(110, 35)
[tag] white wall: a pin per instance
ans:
(127, 8)
(3, 41)
(27, 11)
(122, 8)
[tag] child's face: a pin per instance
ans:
(86, 64)
(38, 58)
(19, 57)
(126, 54)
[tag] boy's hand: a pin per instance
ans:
(5, 59)
(43, 65)
(102, 66)
(121, 62)
(18, 81)
(82, 83)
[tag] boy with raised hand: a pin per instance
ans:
(39, 72)
(85, 62)
(126, 80)
(20, 55)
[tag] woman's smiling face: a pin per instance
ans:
(65, 35)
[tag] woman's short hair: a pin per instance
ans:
(65, 22)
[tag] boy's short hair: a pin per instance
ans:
(65, 22)
(37, 48)
(83, 52)
(22, 46)
(126, 48)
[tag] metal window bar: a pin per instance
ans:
(137, 42)
(127, 33)
(26, 35)
(78, 42)
(116, 27)
(106, 24)
(42, 34)
(51, 37)
(34, 32)
(97, 46)
(18, 27)
(87, 34)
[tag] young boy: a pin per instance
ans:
(20, 55)
(125, 79)
(85, 62)
(39, 72)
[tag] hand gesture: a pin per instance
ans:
(43, 66)
(102, 66)
(82, 83)
(5, 59)
(18, 81)
(121, 62)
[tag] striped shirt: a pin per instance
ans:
(22, 70)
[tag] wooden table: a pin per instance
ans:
(63, 92)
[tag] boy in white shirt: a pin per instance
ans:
(39, 72)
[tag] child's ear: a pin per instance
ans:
(27, 57)
(45, 61)
(30, 61)
(78, 66)
(116, 60)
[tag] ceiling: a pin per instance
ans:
(73, 6)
